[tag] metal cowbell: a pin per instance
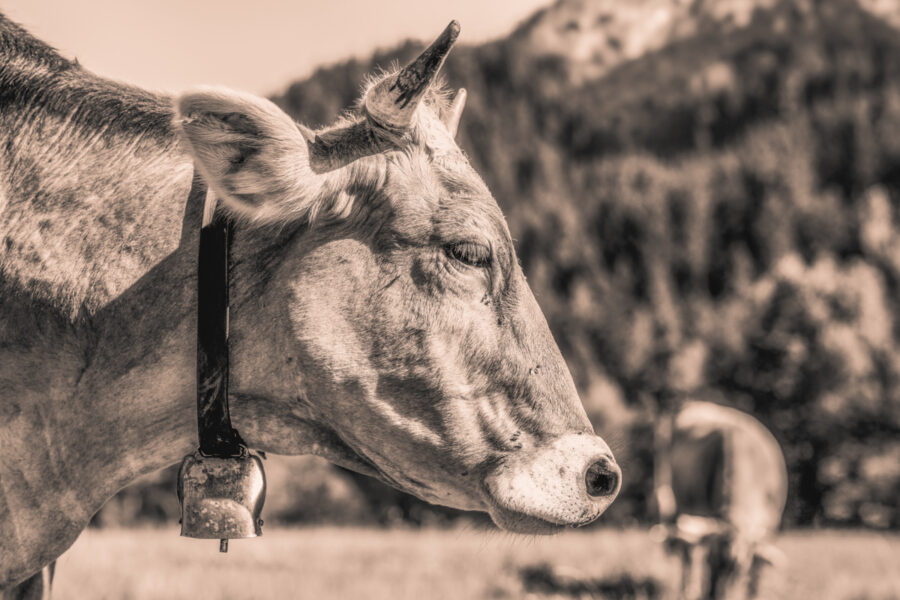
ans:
(221, 498)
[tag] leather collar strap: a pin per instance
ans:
(217, 436)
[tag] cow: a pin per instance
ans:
(720, 487)
(378, 318)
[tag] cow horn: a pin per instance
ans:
(393, 101)
(451, 120)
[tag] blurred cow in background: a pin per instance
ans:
(721, 487)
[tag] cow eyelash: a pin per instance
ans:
(469, 253)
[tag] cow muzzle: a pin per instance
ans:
(568, 482)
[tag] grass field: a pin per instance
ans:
(326, 563)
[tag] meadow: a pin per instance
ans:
(330, 562)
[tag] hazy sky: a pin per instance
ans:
(256, 45)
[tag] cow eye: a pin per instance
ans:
(470, 253)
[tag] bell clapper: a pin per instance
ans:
(223, 545)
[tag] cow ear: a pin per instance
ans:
(250, 152)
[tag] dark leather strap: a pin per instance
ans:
(217, 436)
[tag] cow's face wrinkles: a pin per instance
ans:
(409, 331)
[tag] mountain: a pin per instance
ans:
(889, 10)
(595, 36)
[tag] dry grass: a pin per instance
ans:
(325, 563)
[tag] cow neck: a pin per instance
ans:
(217, 436)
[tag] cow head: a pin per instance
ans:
(717, 561)
(396, 318)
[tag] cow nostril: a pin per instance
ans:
(602, 478)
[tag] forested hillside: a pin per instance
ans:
(717, 217)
